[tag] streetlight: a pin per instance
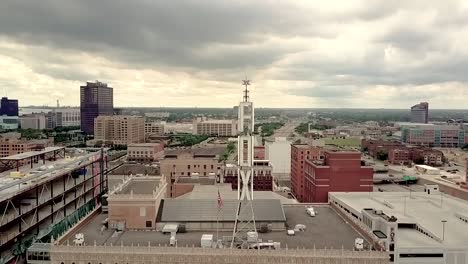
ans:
(405, 205)
(441, 199)
(443, 229)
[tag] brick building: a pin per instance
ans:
(259, 152)
(192, 163)
(399, 156)
(263, 180)
(337, 172)
(373, 146)
(431, 157)
(299, 154)
(135, 203)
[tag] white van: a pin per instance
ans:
(310, 211)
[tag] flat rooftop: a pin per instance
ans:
(226, 192)
(143, 144)
(39, 173)
(326, 230)
(141, 185)
(427, 211)
(196, 151)
(29, 154)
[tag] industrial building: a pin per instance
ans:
(96, 99)
(119, 130)
(420, 113)
(413, 227)
(41, 200)
(219, 128)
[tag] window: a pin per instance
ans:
(142, 211)
(149, 224)
(204, 166)
(212, 167)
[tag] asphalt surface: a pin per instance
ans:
(326, 230)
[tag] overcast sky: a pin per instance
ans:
(334, 53)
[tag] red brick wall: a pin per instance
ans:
(342, 172)
(299, 155)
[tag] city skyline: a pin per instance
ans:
(299, 54)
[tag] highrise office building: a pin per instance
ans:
(420, 113)
(9, 107)
(8, 113)
(96, 99)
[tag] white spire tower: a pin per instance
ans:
(245, 219)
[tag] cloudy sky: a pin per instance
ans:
(334, 53)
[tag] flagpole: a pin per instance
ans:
(217, 218)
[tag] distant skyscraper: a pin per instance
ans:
(96, 100)
(420, 113)
(8, 113)
(9, 107)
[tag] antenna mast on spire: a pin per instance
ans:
(246, 83)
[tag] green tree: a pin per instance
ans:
(382, 155)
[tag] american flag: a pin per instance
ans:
(220, 201)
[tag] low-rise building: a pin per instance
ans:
(399, 156)
(9, 122)
(63, 117)
(135, 203)
(428, 156)
(220, 128)
(13, 146)
(193, 163)
(337, 172)
(431, 135)
(119, 130)
(412, 227)
(145, 152)
(154, 128)
(33, 121)
(262, 180)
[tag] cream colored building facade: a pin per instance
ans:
(220, 128)
(119, 130)
(145, 152)
(154, 128)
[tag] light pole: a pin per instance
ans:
(405, 206)
(443, 229)
(441, 199)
